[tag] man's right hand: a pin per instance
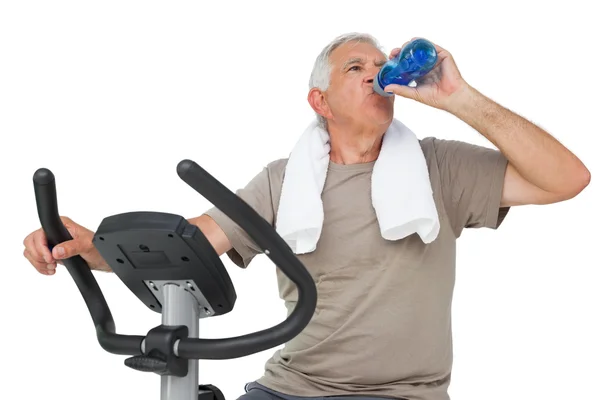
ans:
(44, 261)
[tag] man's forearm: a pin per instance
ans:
(213, 232)
(534, 153)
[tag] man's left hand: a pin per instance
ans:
(439, 87)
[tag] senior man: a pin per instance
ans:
(382, 327)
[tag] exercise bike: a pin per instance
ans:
(172, 268)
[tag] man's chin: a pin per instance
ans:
(383, 116)
(380, 120)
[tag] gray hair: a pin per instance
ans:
(321, 73)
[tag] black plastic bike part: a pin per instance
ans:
(47, 207)
(159, 356)
(209, 392)
(191, 348)
(273, 245)
(148, 249)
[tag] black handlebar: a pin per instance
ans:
(56, 233)
(274, 247)
(192, 348)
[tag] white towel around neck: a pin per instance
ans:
(400, 189)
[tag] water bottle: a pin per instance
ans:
(415, 60)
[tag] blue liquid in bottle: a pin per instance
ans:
(414, 61)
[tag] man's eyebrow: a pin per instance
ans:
(358, 60)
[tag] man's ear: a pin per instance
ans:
(317, 101)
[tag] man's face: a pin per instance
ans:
(350, 97)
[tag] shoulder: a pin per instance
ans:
(269, 180)
(270, 173)
(434, 147)
(275, 171)
(452, 152)
(268, 184)
(277, 166)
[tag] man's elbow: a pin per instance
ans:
(582, 180)
(579, 181)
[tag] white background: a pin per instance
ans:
(112, 95)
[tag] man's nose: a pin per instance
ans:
(371, 73)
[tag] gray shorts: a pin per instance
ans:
(256, 391)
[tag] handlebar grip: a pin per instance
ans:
(47, 206)
(275, 248)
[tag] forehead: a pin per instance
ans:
(356, 50)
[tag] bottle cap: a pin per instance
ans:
(378, 89)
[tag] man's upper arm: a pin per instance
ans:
(229, 237)
(472, 180)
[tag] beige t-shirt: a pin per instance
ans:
(382, 326)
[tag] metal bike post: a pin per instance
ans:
(180, 308)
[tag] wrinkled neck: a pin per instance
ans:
(356, 146)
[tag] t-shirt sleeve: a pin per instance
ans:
(257, 193)
(472, 180)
